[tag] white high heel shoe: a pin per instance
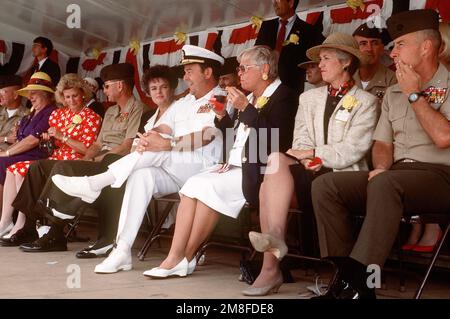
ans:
(191, 265)
(268, 243)
(6, 230)
(181, 270)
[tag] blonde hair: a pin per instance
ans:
(72, 81)
(444, 54)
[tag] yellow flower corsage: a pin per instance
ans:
(261, 102)
(349, 102)
(76, 120)
(293, 38)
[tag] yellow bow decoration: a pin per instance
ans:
(355, 4)
(96, 53)
(180, 37)
(135, 45)
(256, 23)
(76, 120)
(349, 102)
(261, 102)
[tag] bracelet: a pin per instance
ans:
(65, 139)
(173, 143)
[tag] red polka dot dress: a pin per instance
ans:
(83, 126)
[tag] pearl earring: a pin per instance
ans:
(265, 77)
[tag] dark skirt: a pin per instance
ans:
(303, 179)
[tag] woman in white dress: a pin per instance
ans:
(270, 107)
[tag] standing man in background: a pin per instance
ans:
(290, 37)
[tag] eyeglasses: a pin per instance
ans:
(107, 85)
(244, 68)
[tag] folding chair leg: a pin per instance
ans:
(73, 224)
(433, 261)
(155, 231)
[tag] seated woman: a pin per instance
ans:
(73, 128)
(333, 131)
(41, 95)
(160, 82)
(270, 107)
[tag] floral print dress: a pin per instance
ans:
(82, 126)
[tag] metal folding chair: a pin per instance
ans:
(155, 232)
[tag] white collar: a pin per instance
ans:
(268, 91)
(290, 20)
(42, 62)
(90, 102)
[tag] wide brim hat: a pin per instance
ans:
(39, 81)
(340, 41)
(194, 54)
(305, 65)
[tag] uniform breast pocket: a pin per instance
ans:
(397, 118)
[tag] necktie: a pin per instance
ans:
(281, 35)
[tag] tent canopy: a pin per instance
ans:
(114, 23)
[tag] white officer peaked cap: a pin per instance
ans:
(194, 54)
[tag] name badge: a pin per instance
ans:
(342, 115)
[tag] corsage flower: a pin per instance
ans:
(349, 102)
(293, 38)
(261, 102)
(76, 120)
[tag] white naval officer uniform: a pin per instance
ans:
(161, 173)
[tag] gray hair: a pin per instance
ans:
(345, 57)
(260, 55)
(430, 34)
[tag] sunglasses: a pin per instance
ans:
(107, 85)
(245, 68)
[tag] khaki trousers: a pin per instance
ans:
(407, 188)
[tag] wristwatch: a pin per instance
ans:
(415, 96)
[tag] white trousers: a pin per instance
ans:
(150, 174)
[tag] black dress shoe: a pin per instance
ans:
(348, 282)
(20, 237)
(95, 251)
(45, 244)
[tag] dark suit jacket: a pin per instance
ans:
(279, 112)
(292, 54)
(98, 108)
(52, 69)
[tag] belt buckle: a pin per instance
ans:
(408, 160)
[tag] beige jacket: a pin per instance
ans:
(349, 137)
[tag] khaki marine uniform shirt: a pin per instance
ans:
(7, 123)
(399, 125)
(119, 125)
